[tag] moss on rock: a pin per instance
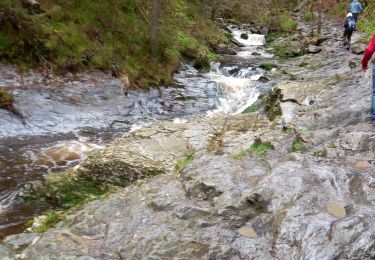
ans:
(6, 99)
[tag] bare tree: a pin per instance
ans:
(155, 27)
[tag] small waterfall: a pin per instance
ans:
(237, 86)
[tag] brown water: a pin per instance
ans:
(25, 160)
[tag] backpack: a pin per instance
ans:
(351, 24)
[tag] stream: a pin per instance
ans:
(73, 115)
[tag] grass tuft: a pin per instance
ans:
(184, 162)
(258, 147)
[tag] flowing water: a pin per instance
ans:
(72, 117)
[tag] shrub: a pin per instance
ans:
(308, 16)
(288, 24)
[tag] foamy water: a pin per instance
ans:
(238, 92)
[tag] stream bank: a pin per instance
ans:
(70, 116)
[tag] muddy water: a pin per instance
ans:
(71, 116)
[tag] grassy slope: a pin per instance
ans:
(367, 20)
(106, 34)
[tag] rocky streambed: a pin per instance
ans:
(233, 185)
(69, 116)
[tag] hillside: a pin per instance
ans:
(107, 35)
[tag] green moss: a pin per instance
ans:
(6, 98)
(29, 223)
(257, 208)
(52, 218)
(240, 154)
(258, 147)
(184, 162)
(286, 130)
(272, 104)
(63, 193)
(267, 66)
(308, 16)
(271, 37)
(254, 107)
(297, 145)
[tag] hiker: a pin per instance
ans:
(355, 8)
(349, 29)
(366, 58)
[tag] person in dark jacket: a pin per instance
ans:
(366, 58)
(349, 29)
(355, 8)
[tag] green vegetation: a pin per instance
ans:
(257, 208)
(271, 37)
(184, 162)
(258, 147)
(48, 220)
(267, 66)
(109, 35)
(6, 98)
(321, 153)
(366, 21)
(308, 16)
(286, 130)
(63, 193)
(288, 24)
(297, 145)
(254, 107)
(272, 104)
(278, 20)
(280, 44)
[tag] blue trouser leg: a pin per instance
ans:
(373, 93)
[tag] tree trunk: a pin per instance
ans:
(155, 27)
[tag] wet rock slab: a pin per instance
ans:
(281, 204)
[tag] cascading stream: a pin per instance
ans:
(224, 89)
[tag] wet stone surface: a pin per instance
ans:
(305, 198)
(69, 116)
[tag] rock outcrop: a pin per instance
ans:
(311, 196)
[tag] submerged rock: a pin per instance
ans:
(244, 36)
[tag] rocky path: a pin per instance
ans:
(237, 187)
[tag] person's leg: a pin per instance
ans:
(349, 38)
(345, 36)
(355, 16)
(373, 93)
